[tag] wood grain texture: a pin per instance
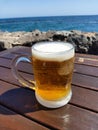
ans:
(10, 120)
(24, 102)
(85, 81)
(80, 114)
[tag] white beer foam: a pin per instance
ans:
(53, 51)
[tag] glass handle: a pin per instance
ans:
(19, 77)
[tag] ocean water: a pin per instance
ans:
(82, 23)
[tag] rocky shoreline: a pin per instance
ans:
(85, 42)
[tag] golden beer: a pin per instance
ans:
(53, 78)
(53, 68)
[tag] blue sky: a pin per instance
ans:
(26, 8)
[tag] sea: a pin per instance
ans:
(86, 23)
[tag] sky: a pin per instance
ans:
(34, 8)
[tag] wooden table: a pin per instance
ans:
(19, 109)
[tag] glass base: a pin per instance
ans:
(54, 104)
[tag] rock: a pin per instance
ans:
(50, 34)
(96, 35)
(94, 48)
(61, 35)
(64, 33)
(2, 46)
(82, 49)
(36, 33)
(58, 37)
(84, 39)
(84, 42)
(77, 32)
(27, 37)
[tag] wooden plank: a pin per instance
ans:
(86, 61)
(68, 117)
(21, 50)
(17, 49)
(84, 100)
(8, 56)
(79, 59)
(37, 113)
(5, 62)
(86, 70)
(85, 81)
(23, 66)
(79, 80)
(27, 50)
(10, 120)
(85, 97)
(27, 67)
(6, 75)
(86, 55)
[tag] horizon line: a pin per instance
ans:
(50, 16)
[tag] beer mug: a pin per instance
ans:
(53, 64)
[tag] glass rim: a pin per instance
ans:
(50, 42)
